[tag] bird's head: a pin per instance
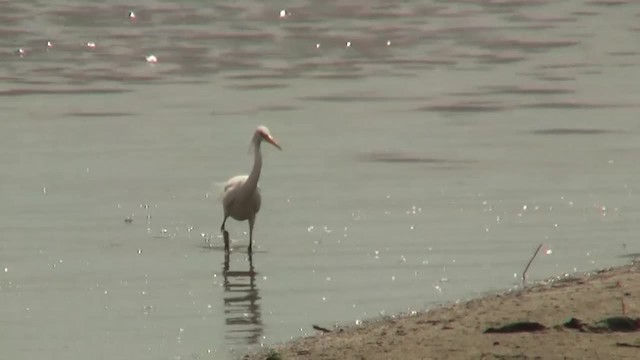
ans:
(262, 133)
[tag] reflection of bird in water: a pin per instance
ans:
(241, 199)
(242, 310)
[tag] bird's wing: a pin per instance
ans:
(217, 188)
(235, 181)
(230, 184)
(257, 200)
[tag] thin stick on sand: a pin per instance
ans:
(524, 273)
(624, 308)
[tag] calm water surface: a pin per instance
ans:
(429, 147)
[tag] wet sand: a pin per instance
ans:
(457, 331)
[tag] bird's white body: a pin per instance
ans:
(236, 203)
(241, 199)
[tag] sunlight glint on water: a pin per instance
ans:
(429, 148)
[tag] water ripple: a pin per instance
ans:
(100, 114)
(79, 91)
(92, 43)
(399, 157)
(571, 105)
(566, 131)
(465, 107)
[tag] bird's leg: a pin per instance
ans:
(251, 221)
(225, 234)
(223, 222)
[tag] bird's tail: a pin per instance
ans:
(217, 190)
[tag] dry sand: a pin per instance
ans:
(457, 331)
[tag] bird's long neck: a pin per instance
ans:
(254, 176)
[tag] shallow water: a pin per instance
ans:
(428, 148)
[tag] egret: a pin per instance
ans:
(241, 199)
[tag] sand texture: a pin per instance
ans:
(457, 331)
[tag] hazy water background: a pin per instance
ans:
(422, 163)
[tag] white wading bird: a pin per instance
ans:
(241, 199)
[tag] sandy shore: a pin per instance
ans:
(457, 331)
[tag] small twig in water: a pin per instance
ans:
(320, 328)
(524, 273)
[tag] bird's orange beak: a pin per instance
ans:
(272, 141)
